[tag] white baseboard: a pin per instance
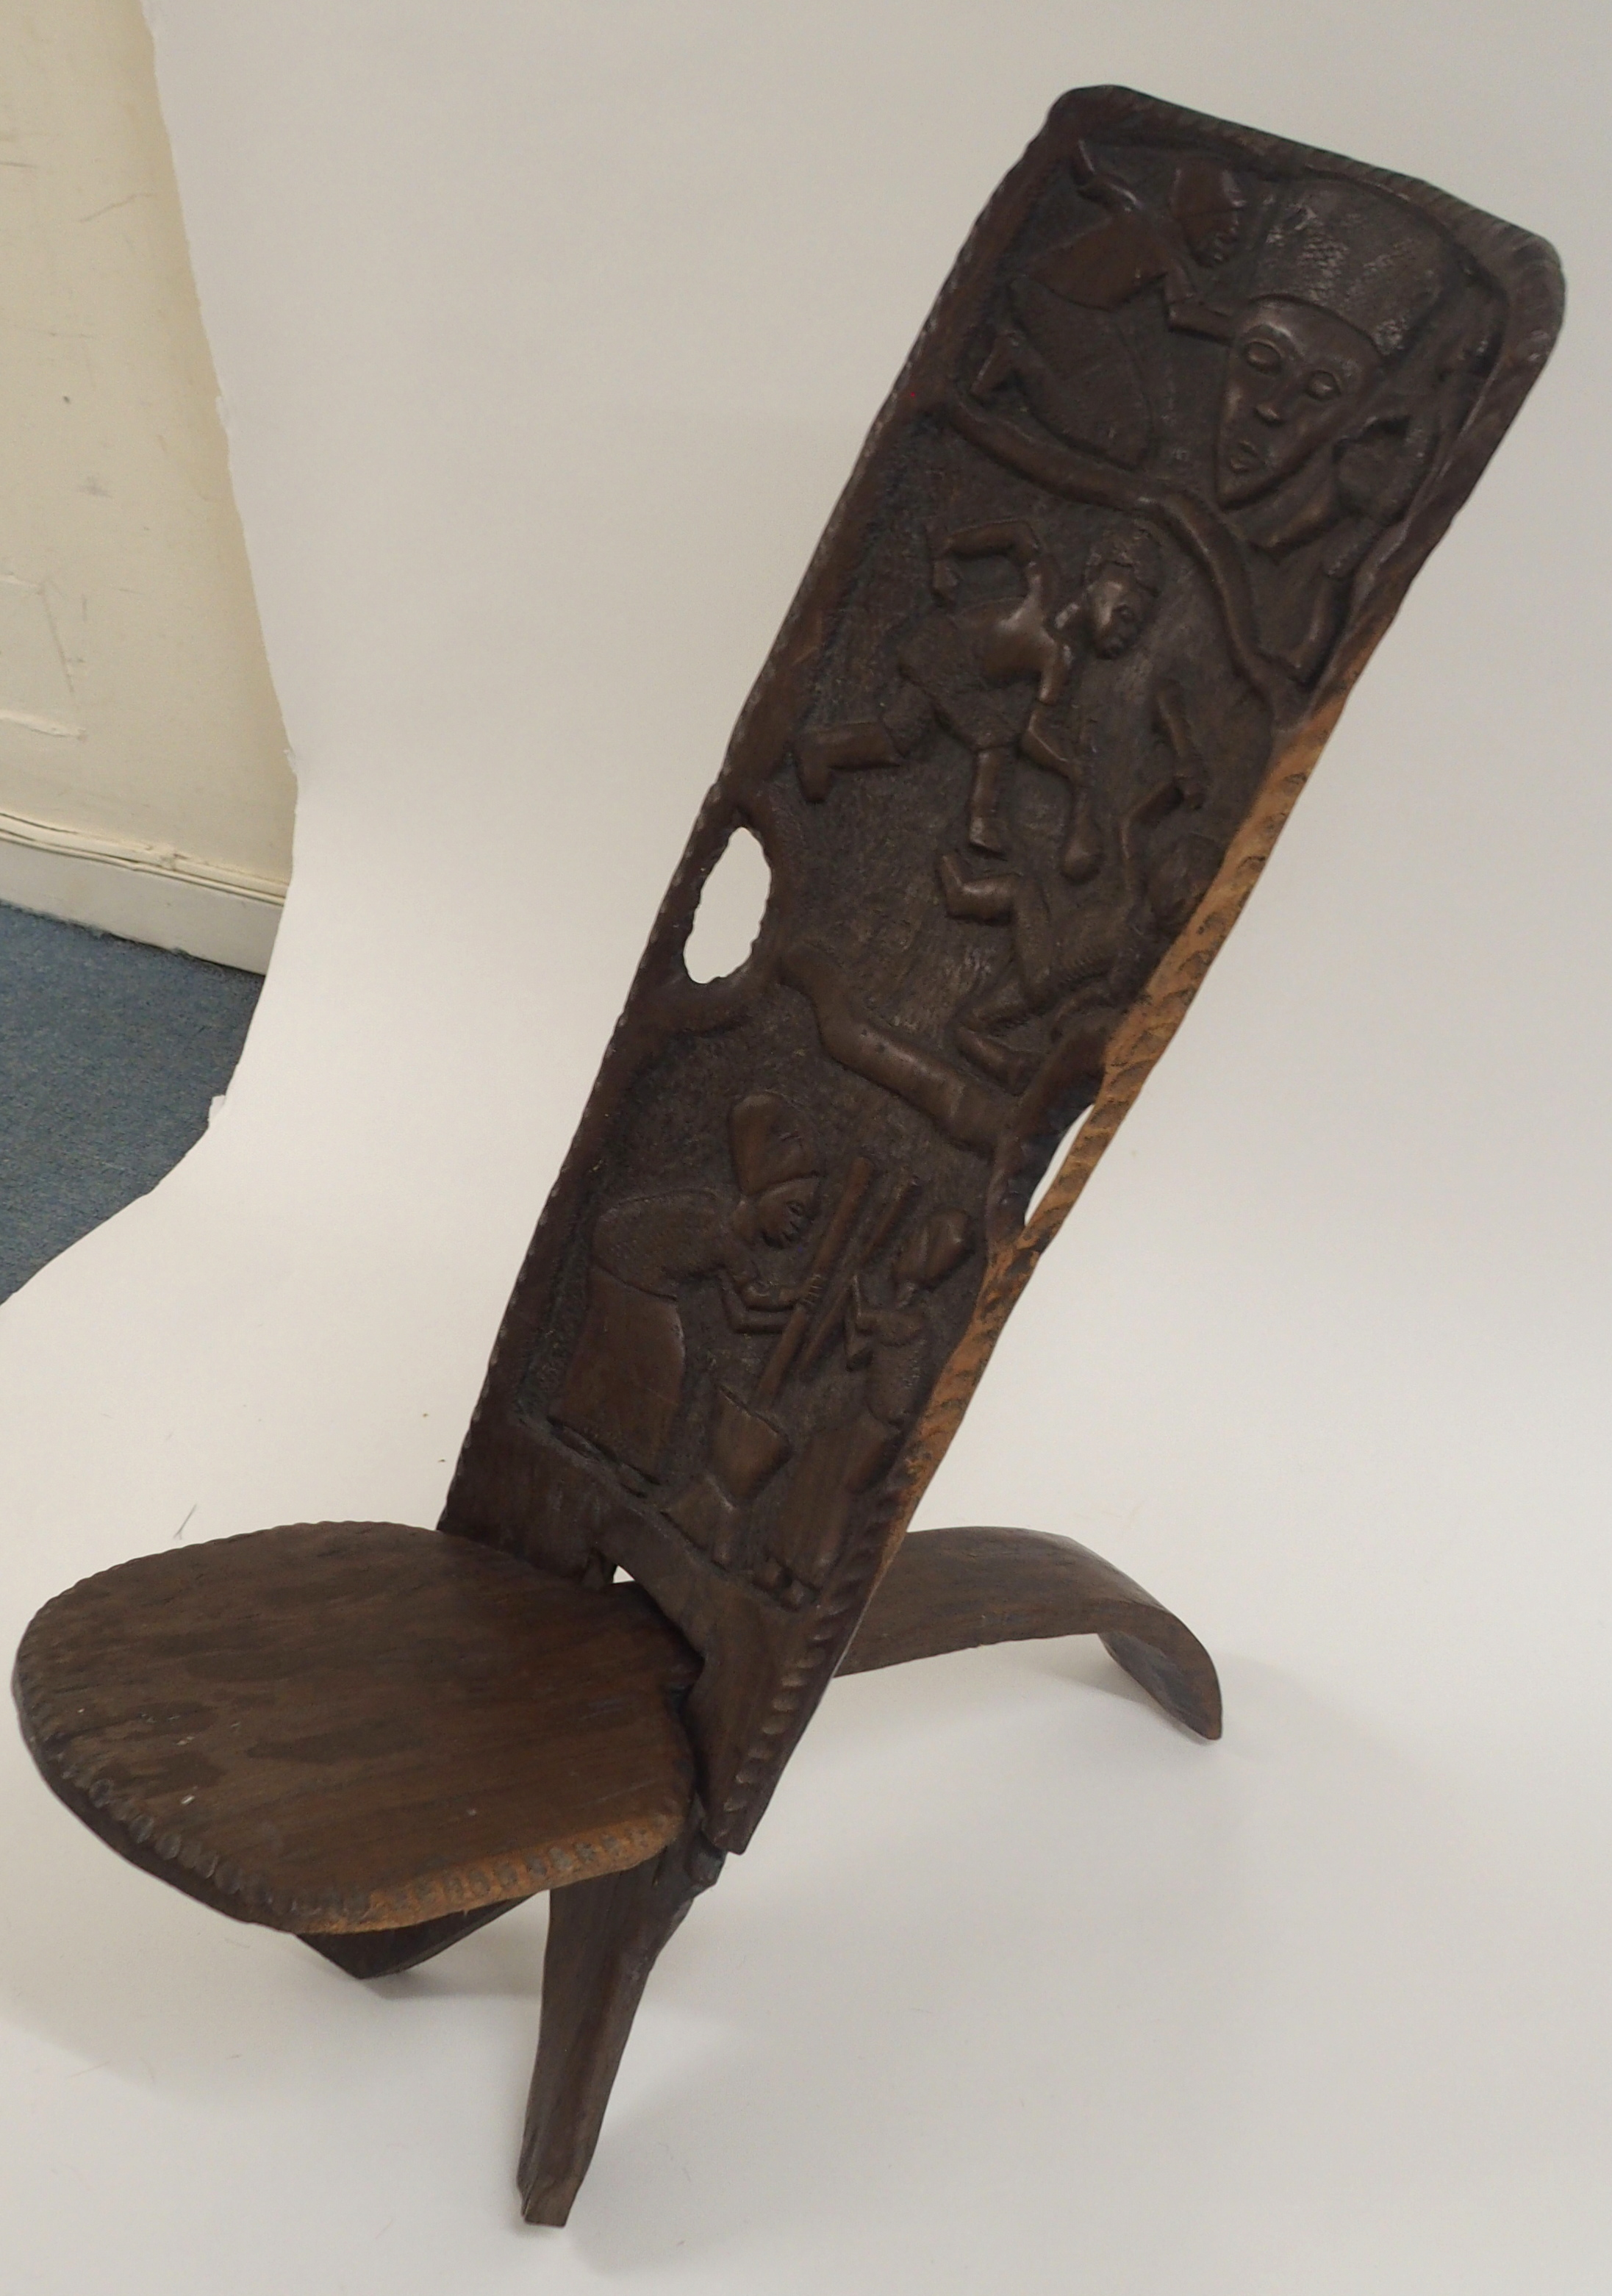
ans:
(141, 892)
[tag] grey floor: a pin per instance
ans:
(110, 1053)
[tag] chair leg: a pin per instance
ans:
(948, 1590)
(604, 1938)
(387, 1953)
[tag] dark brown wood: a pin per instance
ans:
(391, 1953)
(353, 1726)
(945, 1590)
(604, 1939)
(950, 1590)
(1191, 411)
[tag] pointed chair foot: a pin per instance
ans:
(950, 1590)
(604, 1939)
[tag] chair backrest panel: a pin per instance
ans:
(1192, 409)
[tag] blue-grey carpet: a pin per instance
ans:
(110, 1055)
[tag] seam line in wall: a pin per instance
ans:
(149, 860)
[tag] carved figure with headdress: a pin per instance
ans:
(1316, 447)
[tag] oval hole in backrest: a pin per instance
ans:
(1054, 1166)
(732, 903)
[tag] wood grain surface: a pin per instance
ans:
(949, 1590)
(351, 1726)
(1189, 416)
(1186, 420)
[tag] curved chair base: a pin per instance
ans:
(356, 1727)
(950, 1590)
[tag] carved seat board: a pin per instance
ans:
(1191, 410)
(342, 1726)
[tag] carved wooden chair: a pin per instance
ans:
(1190, 414)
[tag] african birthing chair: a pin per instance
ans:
(1187, 418)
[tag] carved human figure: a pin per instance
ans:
(956, 665)
(890, 1342)
(623, 1390)
(1079, 957)
(1326, 424)
(1063, 345)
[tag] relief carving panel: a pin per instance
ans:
(1192, 409)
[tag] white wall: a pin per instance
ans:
(549, 333)
(143, 784)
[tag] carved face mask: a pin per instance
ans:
(1117, 611)
(1295, 376)
(781, 1213)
